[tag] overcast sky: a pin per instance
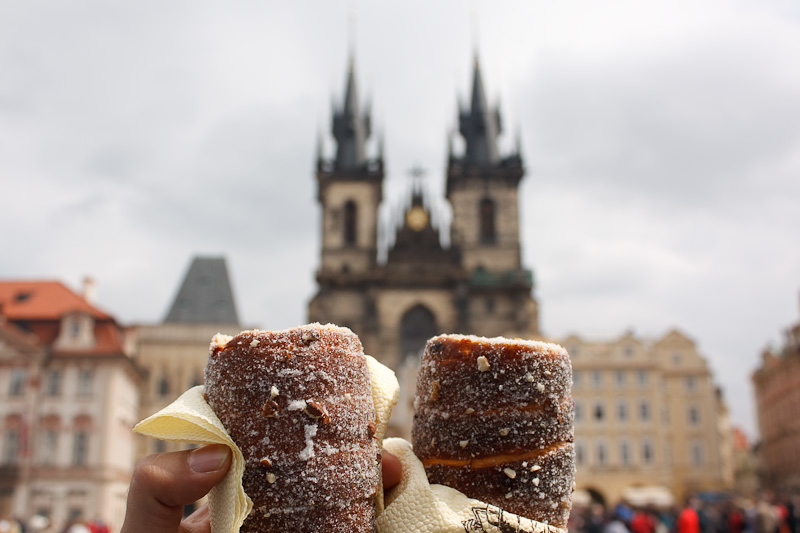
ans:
(662, 142)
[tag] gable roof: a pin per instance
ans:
(43, 300)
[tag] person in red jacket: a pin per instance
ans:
(688, 520)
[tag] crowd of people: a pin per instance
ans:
(39, 524)
(764, 514)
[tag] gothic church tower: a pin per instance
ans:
(350, 188)
(482, 187)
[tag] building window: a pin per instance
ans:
(16, 385)
(577, 378)
(642, 378)
(694, 415)
(619, 378)
(578, 411)
(624, 452)
(49, 447)
(602, 453)
(676, 359)
(691, 383)
(644, 411)
(487, 218)
(74, 328)
(597, 378)
(10, 446)
(648, 455)
(696, 454)
(80, 448)
(53, 383)
(622, 410)
(599, 411)
(350, 222)
(85, 379)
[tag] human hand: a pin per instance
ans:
(163, 483)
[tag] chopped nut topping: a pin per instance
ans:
(463, 443)
(371, 429)
(535, 481)
(347, 396)
(309, 336)
(483, 363)
(254, 343)
(508, 496)
(529, 377)
(510, 473)
(317, 410)
(540, 387)
(266, 461)
(534, 468)
(547, 373)
(504, 432)
(271, 478)
(270, 409)
(273, 391)
(469, 410)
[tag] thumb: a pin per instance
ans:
(163, 483)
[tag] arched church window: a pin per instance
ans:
(416, 327)
(350, 217)
(487, 219)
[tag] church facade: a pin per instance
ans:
(476, 284)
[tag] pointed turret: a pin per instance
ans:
(480, 126)
(351, 128)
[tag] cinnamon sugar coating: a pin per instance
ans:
(494, 420)
(298, 403)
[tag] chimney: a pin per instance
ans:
(89, 289)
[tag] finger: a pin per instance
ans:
(392, 470)
(198, 522)
(163, 483)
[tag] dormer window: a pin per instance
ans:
(77, 331)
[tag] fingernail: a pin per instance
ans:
(208, 458)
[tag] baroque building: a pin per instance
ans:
(777, 390)
(69, 395)
(650, 424)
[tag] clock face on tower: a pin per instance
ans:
(417, 218)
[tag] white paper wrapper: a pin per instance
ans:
(416, 505)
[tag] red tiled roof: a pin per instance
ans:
(42, 300)
(40, 305)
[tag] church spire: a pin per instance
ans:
(351, 128)
(479, 125)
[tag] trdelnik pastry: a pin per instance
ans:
(298, 403)
(494, 420)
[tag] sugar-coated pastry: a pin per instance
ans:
(494, 420)
(298, 403)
